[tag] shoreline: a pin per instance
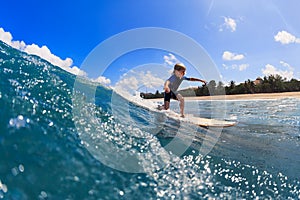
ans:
(259, 96)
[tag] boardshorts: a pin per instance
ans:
(168, 96)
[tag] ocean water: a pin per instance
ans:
(58, 141)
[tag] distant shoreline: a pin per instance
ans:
(258, 96)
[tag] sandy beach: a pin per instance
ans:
(261, 96)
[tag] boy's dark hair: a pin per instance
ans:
(179, 66)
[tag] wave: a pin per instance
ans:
(65, 137)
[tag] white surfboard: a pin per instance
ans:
(199, 121)
(204, 122)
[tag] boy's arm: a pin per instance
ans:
(197, 79)
(166, 86)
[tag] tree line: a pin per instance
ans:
(268, 84)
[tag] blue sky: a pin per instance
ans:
(245, 39)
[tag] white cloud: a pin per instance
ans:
(124, 69)
(243, 67)
(285, 37)
(171, 60)
(284, 64)
(240, 67)
(227, 55)
(151, 81)
(75, 70)
(5, 36)
(46, 54)
(229, 23)
(225, 66)
(128, 84)
(271, 70)
(102, 80)
(42, 52)
(134, 80)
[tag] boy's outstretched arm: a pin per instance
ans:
(197, 79)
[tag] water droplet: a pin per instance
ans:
(3, 187)
(76, 178)
(20, 117)
(43, 195)
(21, 168)
(14, 171)
(19, 122)
(51, 124)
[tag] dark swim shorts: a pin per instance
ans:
(168, 96)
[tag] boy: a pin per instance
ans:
(171, 86)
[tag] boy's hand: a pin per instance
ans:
(167, 89)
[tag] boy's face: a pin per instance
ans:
(179, 73)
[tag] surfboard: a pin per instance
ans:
(189, 118)
(203, 122)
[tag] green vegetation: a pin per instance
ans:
(270, 84)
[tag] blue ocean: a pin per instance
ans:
(50, 150)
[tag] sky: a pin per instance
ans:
(243, 39)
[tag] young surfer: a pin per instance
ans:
(171, 85)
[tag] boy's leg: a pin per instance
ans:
(167, 98)
(181, 104)
(167, 105)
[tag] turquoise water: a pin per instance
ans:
(49, 151)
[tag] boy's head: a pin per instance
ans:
(179, 67)
(179, 70)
